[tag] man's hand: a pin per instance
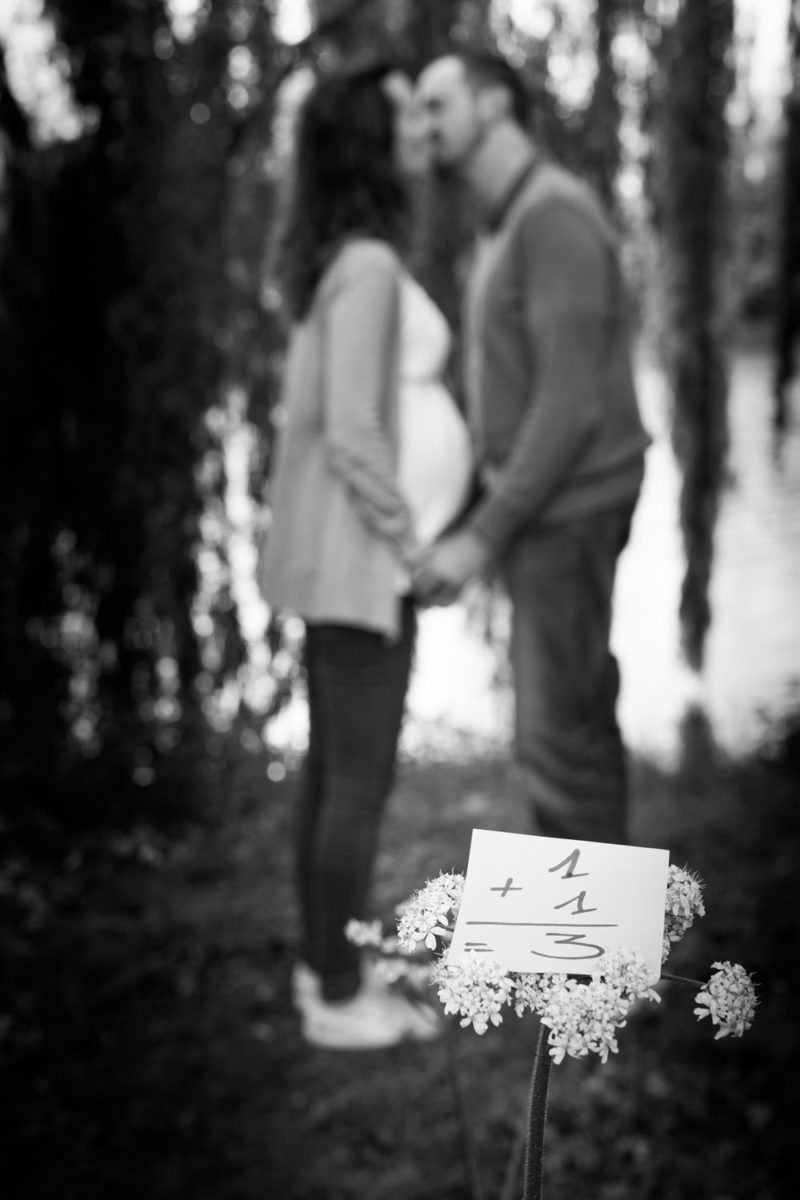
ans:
(439, 572)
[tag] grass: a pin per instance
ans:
(150, 1049)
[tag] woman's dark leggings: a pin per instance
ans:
(357, 684)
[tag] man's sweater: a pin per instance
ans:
(549, 376)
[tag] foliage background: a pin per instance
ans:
(139, 328)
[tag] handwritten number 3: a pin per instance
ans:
(572, 939)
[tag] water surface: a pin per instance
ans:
(753, 650)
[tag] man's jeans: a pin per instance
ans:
(357, 683)
(568, 747)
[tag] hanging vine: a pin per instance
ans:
(788, 316)
(689, 190)
(603, 115)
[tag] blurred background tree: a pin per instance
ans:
(141, 340)
(788, 281)
(690, 185)
(115, 285)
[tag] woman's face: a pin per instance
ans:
(411, 142)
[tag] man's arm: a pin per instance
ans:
(567, 264)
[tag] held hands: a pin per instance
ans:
(440, 571)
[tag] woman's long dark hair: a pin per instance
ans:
(344, 179)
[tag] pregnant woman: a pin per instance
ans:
(373, 462)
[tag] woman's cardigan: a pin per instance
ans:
(340, 524)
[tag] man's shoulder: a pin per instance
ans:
(561, 196)
(554, 182)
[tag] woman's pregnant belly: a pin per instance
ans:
(435, 456)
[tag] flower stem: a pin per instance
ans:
(537, 1113)
(681, 979)
(462, 1121)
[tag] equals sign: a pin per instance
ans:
(478, 947)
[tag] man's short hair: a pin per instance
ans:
(484, 68)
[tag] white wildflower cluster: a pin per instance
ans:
(684, 902)
(583, 1014)
(431, 912)
(365, 933)
(390, 962)
(475, 986)
(531, 992)
(583, 1018)
(729, 998)
(402, 970)
(627, 971)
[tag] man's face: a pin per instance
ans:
(455, 123)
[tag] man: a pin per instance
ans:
(558, 440)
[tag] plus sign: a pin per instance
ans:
(506, 888)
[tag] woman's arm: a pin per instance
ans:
(360, 337)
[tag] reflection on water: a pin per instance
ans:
(753, 651)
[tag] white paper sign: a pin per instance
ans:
(543, 904)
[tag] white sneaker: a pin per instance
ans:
(373, 1018)
(306, 985)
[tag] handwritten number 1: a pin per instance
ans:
(578, 902)
(570, 862)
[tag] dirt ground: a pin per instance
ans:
(148, 1048)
